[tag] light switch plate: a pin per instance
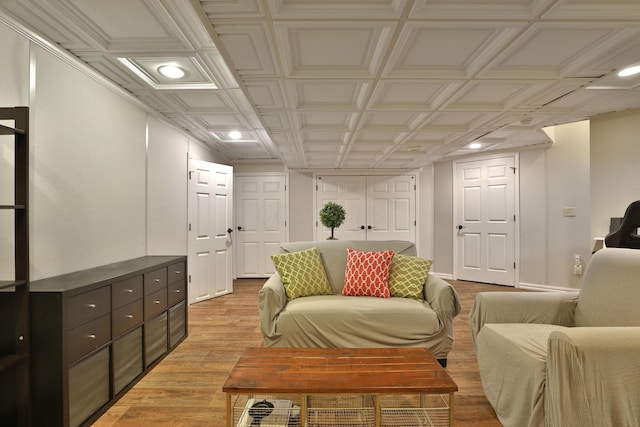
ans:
(569, 211)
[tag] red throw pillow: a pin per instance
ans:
(367, 273)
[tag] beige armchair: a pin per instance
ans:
(565, 359)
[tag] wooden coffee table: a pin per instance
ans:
(317, 386)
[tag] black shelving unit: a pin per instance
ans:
(15, 405)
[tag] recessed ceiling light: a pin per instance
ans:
(171, 71)
(475, 145)
(629, 71)
(234, 134)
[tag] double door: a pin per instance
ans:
(378, 207)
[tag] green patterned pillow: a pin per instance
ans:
(302, 273)
(407, 276)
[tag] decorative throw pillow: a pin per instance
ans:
(302, 273)
(367, 273)
(407, 276)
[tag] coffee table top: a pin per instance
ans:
(338, 370)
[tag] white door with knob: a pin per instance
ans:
(210, 243)
(261, 222)
(485, 218)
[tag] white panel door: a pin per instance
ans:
(485, 221)
(350, 192)
(210, 255)
(261, 222)
(391, 208)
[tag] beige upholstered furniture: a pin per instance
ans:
(357, 321)
(562, 359)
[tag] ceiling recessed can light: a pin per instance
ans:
(629, 71)
(171, 71)
(475, 145)
(234, 134)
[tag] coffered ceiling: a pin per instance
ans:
(353, 84)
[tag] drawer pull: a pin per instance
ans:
(92, 336)
(177, 291)
(157, 301)
(91, 305)
(129, 316)
(129, 291)
(177, 271)
(156, 280)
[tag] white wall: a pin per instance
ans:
(108, 180)
(615, 167)
(88, 205)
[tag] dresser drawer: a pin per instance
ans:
(88, 387)
(155, 303)
(155, 338)
(126, 291)
(127, 359)
(86, 338)
(176, 292)
(176, 272)
(154, 280)
(88, 306)
(177, 323)
(126, 317)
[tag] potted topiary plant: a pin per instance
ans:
(332, 216)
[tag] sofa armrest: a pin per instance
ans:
(272, 299)
(553, 308)
(442, 297)
(593, 377)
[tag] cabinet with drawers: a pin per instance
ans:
(97, 331)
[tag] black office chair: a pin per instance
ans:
(627, 235)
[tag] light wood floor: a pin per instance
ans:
(185, 389)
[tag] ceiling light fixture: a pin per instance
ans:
(629, 71)
(234, 134)
(171, 71)
(475, 145)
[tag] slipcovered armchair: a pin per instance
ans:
(565, 359)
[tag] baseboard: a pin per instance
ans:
(443, 275)
(546, 288)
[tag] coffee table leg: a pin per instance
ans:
(229, 413)
(450, 409)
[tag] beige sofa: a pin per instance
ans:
(346, 321)
(563, 359)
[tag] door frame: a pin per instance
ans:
(516, 209)
(235, 209)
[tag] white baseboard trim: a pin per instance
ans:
(442, 275)
(546, 288)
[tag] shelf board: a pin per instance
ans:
(8, 360)
(14, 207)
(6, 130)
(5, 284)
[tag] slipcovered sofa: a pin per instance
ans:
(335, 320)
(565, 359)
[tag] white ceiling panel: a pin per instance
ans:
(323, 84)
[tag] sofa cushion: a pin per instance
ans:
(339, 321)
(302, 273)
(367, 273)
(407, 276)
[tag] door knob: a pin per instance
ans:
(362, 227)
(369, 227)
(239, 228)
(229, 230)
(460, 227)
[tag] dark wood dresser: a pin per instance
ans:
(96, 332)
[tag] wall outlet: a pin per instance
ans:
(577, 269)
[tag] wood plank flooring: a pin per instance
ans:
(185, 389)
